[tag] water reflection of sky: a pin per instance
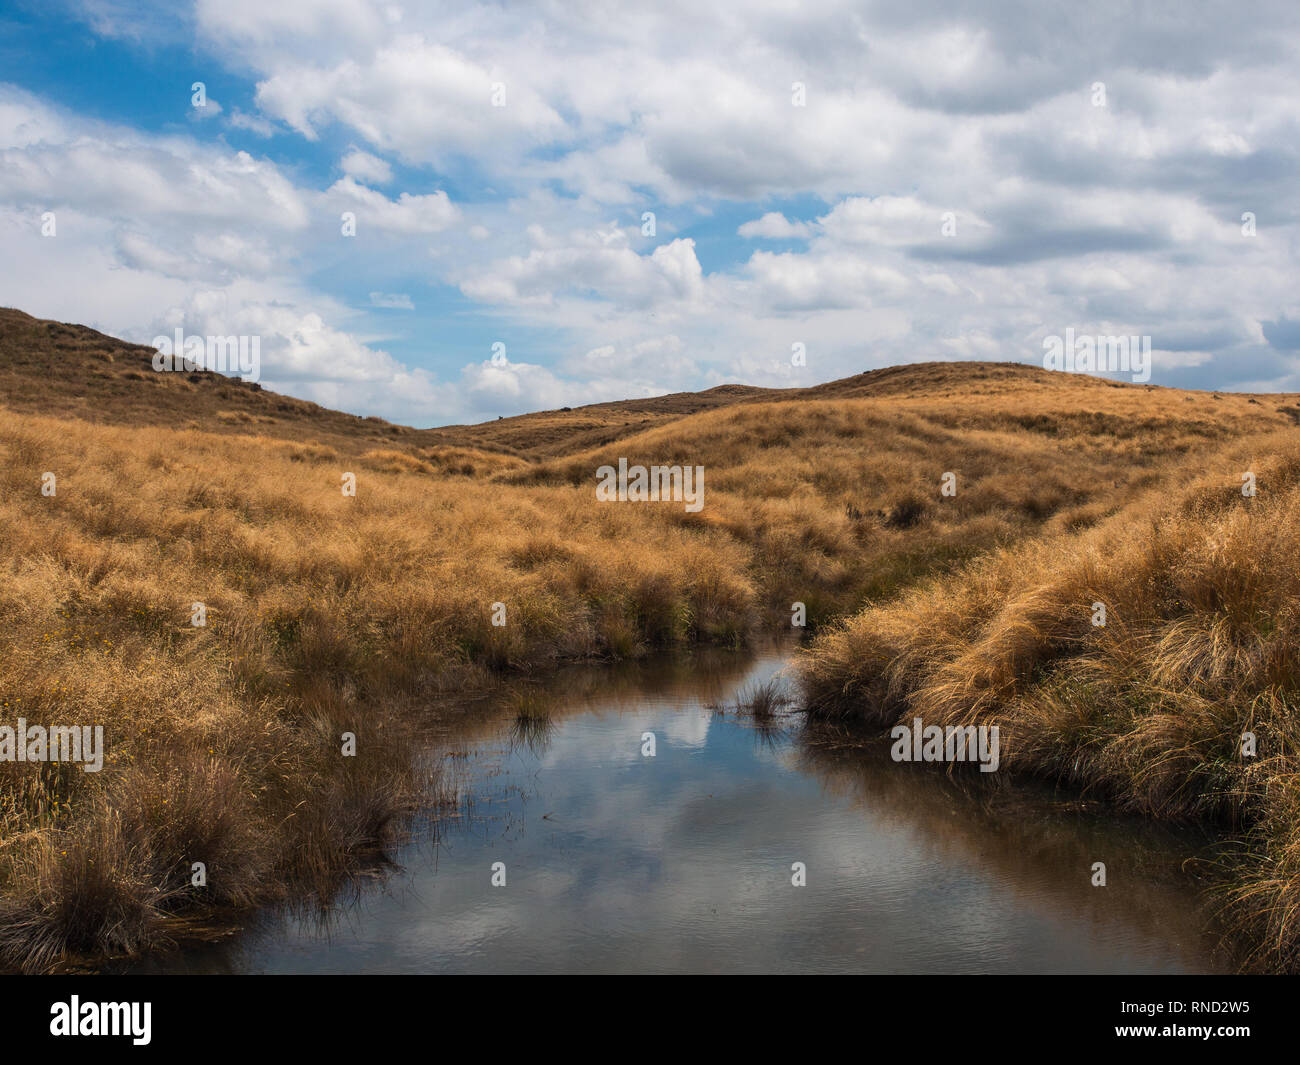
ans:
(682, 862)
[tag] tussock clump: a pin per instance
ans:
(905, 513)
(389, 461)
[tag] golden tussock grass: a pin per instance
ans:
(329, 614)
(1201, 644)
(324, 613)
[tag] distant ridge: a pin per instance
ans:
(49, 367)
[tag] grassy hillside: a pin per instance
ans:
(329, 614)
(1200, 647)
(71, 370)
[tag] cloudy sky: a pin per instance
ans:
(878, 182)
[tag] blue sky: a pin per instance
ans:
(1093, 167)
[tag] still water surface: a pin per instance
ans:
(681, 862)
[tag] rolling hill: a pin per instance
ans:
(53, 368)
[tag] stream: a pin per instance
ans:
(615, 860)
